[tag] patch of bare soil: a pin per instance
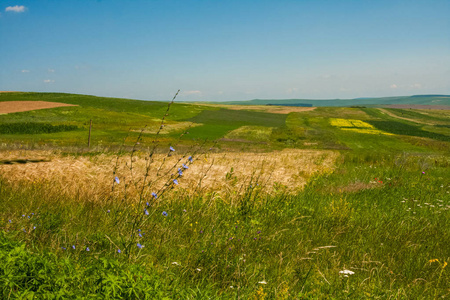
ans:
(263, 108)
(7, 107)
(418, 106)
(224, 174)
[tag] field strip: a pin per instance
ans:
(262, 108)
(229, 172)
(7, 107)
(403, 118)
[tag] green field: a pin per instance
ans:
(373, 226)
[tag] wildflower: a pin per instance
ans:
(184, 210)
(175, 263)
(118, 251)
(117, 180)
(346, 272)
(146, 212)
(87, 249)
(73, 247)
(34, 227)
(198, 270)
(164, 214)
(139, 246)
(180, 172)
(23, 216)
(190, 159)
(184, 166)
(64, 248)
(175, 181)
(154, 196)
(423, 172)
(140, 235)
(171, 148)
(262, 282)
(10, 221)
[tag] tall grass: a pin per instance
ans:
(382, 218)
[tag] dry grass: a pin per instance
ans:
(170, 127)
(93, 176)
(7, 107)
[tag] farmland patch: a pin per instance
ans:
(7, 107)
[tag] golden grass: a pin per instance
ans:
(93, 177)
(171, 127)
(256, 133)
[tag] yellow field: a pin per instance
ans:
(356, 126)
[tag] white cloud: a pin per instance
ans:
(291, 90)
(393, 86)
(186, 93)
(51, 70)
(25, 71)
(49, 81)
(17, 8)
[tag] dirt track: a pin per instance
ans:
(19, 106)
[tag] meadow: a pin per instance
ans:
(187, 201)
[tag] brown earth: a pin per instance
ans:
(263, 108)
(418, 106)
(7, 107)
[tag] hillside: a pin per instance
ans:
(384, 101)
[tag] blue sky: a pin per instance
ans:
(226, 50)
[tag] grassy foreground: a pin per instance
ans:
(385, 219)
(373, 226)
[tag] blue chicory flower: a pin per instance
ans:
(87, 249)
(139, 246)
(164, 214)
(155, 195)
(184, 166)
(190, 158)
(175, 181)
(171, 148)
(73, 247)
(117, 180)
(146, 212)
(118, 251)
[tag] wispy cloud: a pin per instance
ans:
(16, 8)
(49, 81)
(25, 71)
(187, 93)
